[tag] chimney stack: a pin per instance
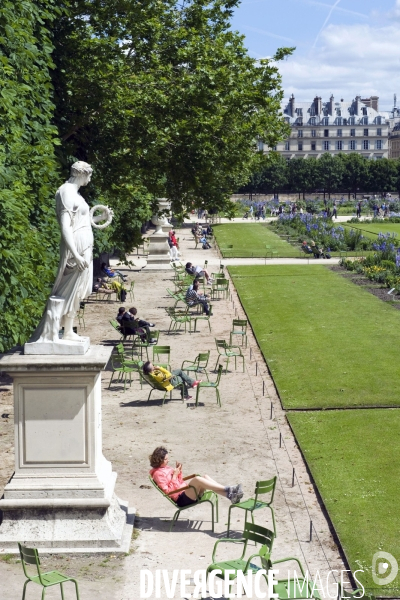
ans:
(331, 107)
(317, 105)
(292, 105)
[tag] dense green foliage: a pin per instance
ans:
(357, 472)
(28, 175)
(344, 173)
(163, 100)
(327, 342)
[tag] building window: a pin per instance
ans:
(300, 133)
(313, 121)
(378, 121)
(379, 131)
(300, 146)
(352, 121)
(313, 146)
(299, 121)
(364, 120)
(287, 145)
(287, 119)
(338, 112)
(353, 145)
(365, 132)
(352, 133)
(325, 121)
(366, 144)
(339, 145)
(339, 121)
(339, 133)
(326, 132)
(313, 133)
(379, 144)
(326, 145)
(364, 110)
(299, 112)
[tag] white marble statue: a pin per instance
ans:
(75, 270)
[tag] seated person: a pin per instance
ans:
(198, 272)
(111, 272)
(209, 230)
(306, 248)
(205, 243)
(193, 297)
(169, 479)
(170, 380)
(315, 250)
(100, 286)
(129, 321)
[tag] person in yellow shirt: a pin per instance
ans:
(170, 380)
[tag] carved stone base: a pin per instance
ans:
(60, 347)
(80, 530)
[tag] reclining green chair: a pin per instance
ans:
(157, 386)
(208, 496)
(251, 533)
(198, 365)
(262, 487)
(30, 556)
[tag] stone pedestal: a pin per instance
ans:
(61, 496)
(159, 257)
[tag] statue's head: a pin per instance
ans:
(81, 170)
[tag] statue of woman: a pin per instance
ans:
(75, 270)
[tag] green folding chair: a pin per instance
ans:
(227, 352)
(198, 365)
(262, 487)
(133, 363)
(30, 556)
(210, 384)
(240, 329)
(251, 533)
(208, 496)
(119, 366)
(155, 385)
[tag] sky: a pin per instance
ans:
(343, 47)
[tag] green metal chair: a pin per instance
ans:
(157, 386)
(117, 328)
(163, 351)
(81, 314)
(132, 363)
(251, 533)
(292, 589)
(239, 328)
(358, 593)
(131, 292)
(227, 352)
(210, 384)
(221, 286)
(198, 365)
(202, 317)
(140, 345)
(178, 319)
(208, 496)
(119, 366)
(262, 487)
(30, 556)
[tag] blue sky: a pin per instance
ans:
(343, 47)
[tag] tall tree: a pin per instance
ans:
(163, 99)
(382, 175)
(330, 173)
(28, 168)
(355, 172)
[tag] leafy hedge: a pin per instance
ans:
(28, 168)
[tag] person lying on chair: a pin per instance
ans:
(170, 380)
(169, 479)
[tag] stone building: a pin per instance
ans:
(318, 127)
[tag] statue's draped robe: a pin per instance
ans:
(71, 284)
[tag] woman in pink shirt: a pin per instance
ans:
(186, 490)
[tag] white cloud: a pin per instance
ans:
(349, 60)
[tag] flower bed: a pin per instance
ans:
(322, 231)
(383, 266)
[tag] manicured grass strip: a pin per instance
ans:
(327, 342)
(249, 240)
(371, 230)
(354, 457)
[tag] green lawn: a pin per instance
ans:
(250, 239)
(371, 230)
(353, 456)
(327, 342)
